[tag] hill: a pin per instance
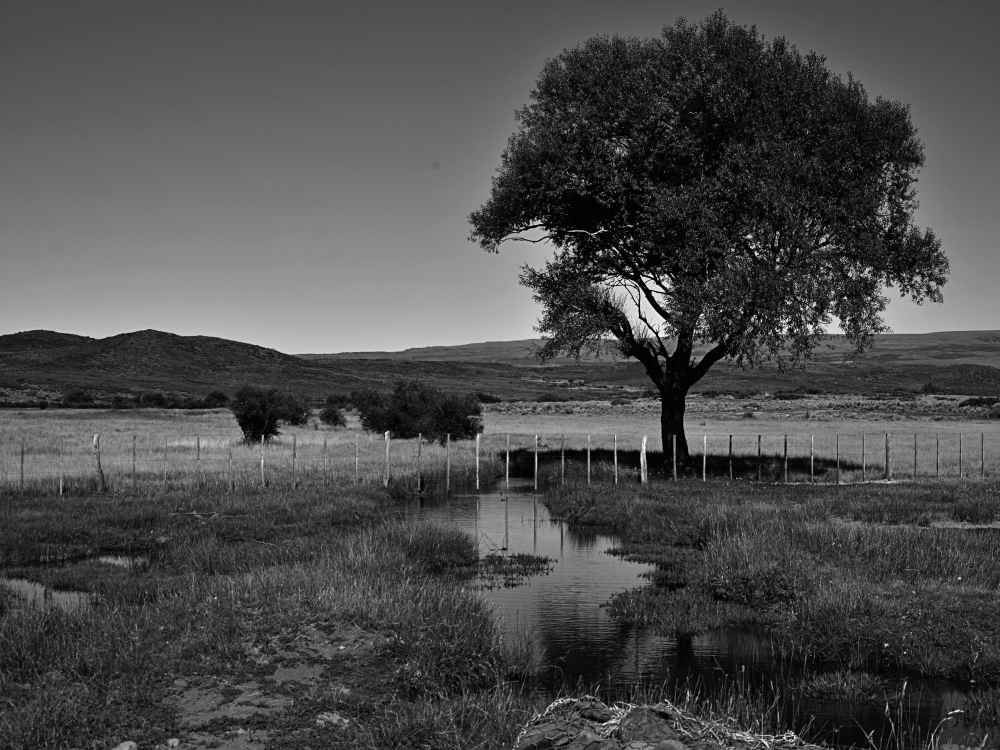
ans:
(43, 364)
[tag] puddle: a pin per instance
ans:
(572, 633)
(30, 594)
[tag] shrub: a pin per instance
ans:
(294, 410)
(77, 397)
(215, 400)
(980, 401)
(620, 402)
(931, 387)
(257, 412)
(549, 397)
(152, 399)
(416, 408)
(119, 401)
(994, 412)
(330, 414)
(488, 398)
(43, 404)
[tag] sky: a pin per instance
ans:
(299, 175)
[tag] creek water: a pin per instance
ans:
(585, 650)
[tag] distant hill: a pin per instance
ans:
(38, 364)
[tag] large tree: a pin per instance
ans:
(712, 189)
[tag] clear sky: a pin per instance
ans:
(299, 174)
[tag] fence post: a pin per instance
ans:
(786, 459)
(419, 441)
(506, 471)
(232, 481)
(102, 484)
(165, 462)
(888, 462)
(562, 460)
(294, 456)
(730, 458)
(588, 460)
(197, 458)
(536, 463)
(812, 454)
(704, 459)
(838, 458)
(914, 455)
(263, 477)
(864, 469)
(759, 457)
(616, 459)
(357, 459)
(960, 467)
(60, 444)
(937, 455)
(673, 441)
(643, 467)
(477, 461)
(385, 482)
(982, 455)
(21, 484)
(326, 463)
(447, 463)
(133, 465)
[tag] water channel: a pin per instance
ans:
(572, 634)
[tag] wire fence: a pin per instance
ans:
(146, 463)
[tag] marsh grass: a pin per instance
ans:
(228, 577)
(861, 578)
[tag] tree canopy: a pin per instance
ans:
(709, 187)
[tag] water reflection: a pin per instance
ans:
(573, 635)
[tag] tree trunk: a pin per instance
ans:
(672, 402)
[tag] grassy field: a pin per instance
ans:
(308, 619)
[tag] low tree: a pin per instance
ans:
(415, 408)
(294, 410)
(330, 414)
(709, 189)
(257, 412)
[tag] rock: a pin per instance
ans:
(127, 745)
(646, 723)
(331, 718)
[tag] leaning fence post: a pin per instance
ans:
(673, 443)
(616, 459)
(102, 484)
(536, 463)
(385, 482)
(643, 469)
(704, 459)
(477, 461)
(133, 464)
(888, 463)
(263, 477)
(419, 441)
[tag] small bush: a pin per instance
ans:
(620, 402)
(294, 410)
(931, 387)
(549, 397)
(789, 395)
(994, 412)
(488, 398)
(330, 414)
(77, 397)
(257, 412)
(153, 400)
(43, 404)
(215, 400)
(415, 408)
(980, 401)
(119, 401)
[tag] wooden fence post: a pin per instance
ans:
(60, 449)
(357, 459)
(786, 459)
(914, 455)
(536, 463)
(888, 459)
(21, 484)
(562, 460)
(447, 463)
(643, 466)
(616, 459)
(197, 459)
(419, 441)
(864, 470)
(295, 483)
(263, 476)
(166, 461)
(133, 465)
(506, 471)
(937, 455)
(730, 458)
(477, 461)
(326, 463)
(704, 459)
(960, 467)
(812, 455)
(982, 455)
(759, 457)
(673, 442)
(385, 481)
(588, 460)
(101, 483)
(232, 480)
(838, 458)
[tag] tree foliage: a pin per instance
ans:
(709, 188)
(331, 414)
(258, 412)
(416, 408)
